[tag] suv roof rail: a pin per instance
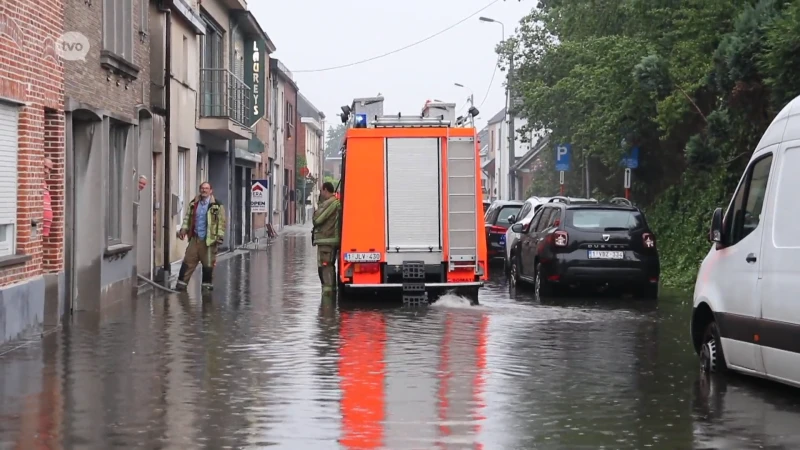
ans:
(568, 200)
(621, 201)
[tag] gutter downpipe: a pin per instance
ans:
(167, 268)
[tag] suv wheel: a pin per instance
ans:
(513, 272)
(711, 357)
(543, 287)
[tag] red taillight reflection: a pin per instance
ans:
(649, 240)
(497, 230)
(361, 371)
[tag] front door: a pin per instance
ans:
(144, 208)
(739, 263)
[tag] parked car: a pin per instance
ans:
(527, 212)
(586, 243)
(746, 314)
(497, 220)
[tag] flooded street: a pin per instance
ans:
(262, 362)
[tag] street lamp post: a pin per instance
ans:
(509, 110)
(471, 100)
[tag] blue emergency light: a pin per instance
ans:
(361, 121)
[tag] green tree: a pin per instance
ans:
(334, 139)
(692, 83)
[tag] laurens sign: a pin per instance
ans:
(255, 74)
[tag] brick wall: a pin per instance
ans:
(87, 81)
(31, 73)
(290, 148)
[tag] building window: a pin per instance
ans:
(183, 157)
(289, 120)
(117, 143)
(118, 28)
(9, 147)
(213, 76)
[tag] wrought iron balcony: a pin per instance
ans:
(224, 96)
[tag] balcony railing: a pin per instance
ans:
(223, 94)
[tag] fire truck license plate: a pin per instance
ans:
(362, 257)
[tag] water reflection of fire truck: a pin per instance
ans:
(421, 391)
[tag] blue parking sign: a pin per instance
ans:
(563, 157)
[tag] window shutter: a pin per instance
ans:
(9, 116)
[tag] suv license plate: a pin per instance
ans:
(362, 257)
(503, 239)
(603, 254)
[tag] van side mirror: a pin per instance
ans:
(512, 218)
(715, 234)
(516, 228)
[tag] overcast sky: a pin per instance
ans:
(317, 34)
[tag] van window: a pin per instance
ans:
(787, 214)
(749, 203)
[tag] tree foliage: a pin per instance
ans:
(692, 83)
(334, 139)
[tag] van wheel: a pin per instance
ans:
(543, 288)
(712, 359)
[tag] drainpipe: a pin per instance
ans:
(167, 268)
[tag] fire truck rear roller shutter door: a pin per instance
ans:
(413, 193)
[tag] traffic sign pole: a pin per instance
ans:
(627, 184)
(563, 162)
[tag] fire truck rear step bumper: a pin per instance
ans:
(427, 285)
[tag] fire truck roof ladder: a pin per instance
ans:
(399, 121)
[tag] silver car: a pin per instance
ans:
(530, 207)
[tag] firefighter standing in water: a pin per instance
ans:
(204, 224)
(325, 236)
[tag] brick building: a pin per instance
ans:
(107, 98)
(31, 128)
(286, 129)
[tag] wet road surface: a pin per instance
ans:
(263, 363)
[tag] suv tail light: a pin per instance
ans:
(560, 238)
(649, 240)
(497, 230)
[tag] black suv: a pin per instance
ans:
(586, 243)
(497, 219)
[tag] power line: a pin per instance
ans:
(401, 48)
(491, 80)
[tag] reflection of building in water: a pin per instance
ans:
(461, 372)
(412, 384)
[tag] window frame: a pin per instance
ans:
(118, 134)
(740, 202)
(118, 26)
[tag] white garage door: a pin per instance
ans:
(9, 116)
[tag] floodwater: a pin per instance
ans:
(263, 363)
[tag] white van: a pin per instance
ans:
(746, 314)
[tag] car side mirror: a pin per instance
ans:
(516, 228)
(715, 234)
(512, 218)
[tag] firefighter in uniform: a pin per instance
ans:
(325, 236)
